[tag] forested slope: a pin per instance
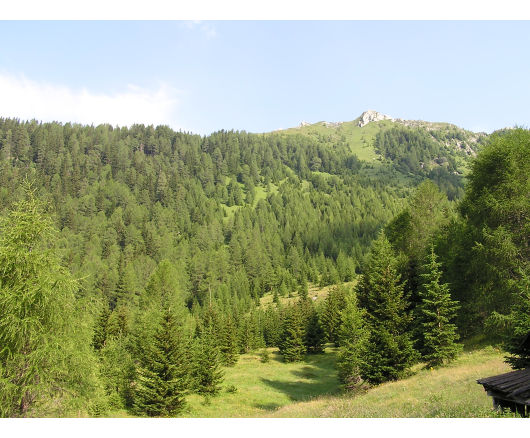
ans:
(172, 239)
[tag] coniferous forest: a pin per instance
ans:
(138, 264)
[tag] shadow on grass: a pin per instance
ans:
(268, 406)
(317, 377)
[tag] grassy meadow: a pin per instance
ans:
(262, 388)
(311, 389)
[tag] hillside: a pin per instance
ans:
(147, 251)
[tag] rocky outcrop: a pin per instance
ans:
(372, 116)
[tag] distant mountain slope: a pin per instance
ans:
(360, 135)
(415, 148)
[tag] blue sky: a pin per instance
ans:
(260, 76)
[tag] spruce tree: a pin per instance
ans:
(353, 336)
(389, 349)
(517, 343)
(228, 345)
(315, 336)
(207, 364)
(292, 346)
(100, 329)
(162, 372)
(333, 305)
(435, 312)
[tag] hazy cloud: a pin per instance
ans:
(28, 99)
(206, 28)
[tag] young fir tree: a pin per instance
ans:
(389, 349)
(353, 336)
(228, 344)
(314, 336)
(162, 374)
(517, 343)
(330, 319)
(435, 312)
(292, 346)
(100, 329)
(207, 367)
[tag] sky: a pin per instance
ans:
(259, 76)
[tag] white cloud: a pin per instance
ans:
(29, 99)
(207, 29)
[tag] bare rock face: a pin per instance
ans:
(303, 123)
(372, 116)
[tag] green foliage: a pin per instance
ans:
(265, 356)
(314, 333)
(45, 359)
(228, 344)
(389, 350)
(149, 218)
(353, 336)
(162, 372)
(117, 373)
(207, 373)
(489, 251)
(292, 346)
(330, 318)
(435, 313)
(515, 327)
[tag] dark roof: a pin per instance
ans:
(510, 386)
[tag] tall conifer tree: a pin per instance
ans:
(353, 336)
(292, 346)
(389, 349)
(435, 312)
(162, 372)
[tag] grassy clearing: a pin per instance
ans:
(449, 392)
(261, 193)
(311, 389)
(264, 387)
(316, 293)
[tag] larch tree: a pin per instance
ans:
(46, 358)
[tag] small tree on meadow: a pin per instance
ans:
(389, 349)
(435, 312)
(330, 318)
(315, 336)
(228, 342)
(292, 346)
(208, 374)
(353, 335)
(162, 374)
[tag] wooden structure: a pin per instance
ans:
(510, 390)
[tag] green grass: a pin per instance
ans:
(359, 140)
(311, 389)
(450, 391)
(261, 193)
(264, 387)
(316, 293)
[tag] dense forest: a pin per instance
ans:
(133, 261)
